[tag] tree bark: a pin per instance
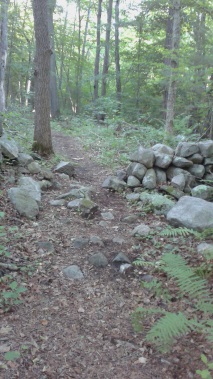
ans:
(42, 132)
(107, 43)
(3, 57)
(117, 56)
(98, 51)
(167, 60)
(174, 64)
(54, 100)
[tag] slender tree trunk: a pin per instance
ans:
(167, 60)
(174, 64)
(139, 53)
(54, 100)
(42, 132)
(107, 43)
(3, 56)
(117, 56)
(98, 51)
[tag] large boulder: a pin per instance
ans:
(23, 202)
(191, 212)
(185, 149)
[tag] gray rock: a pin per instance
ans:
(45, 185)
(133, 197)
(182, 162)
(57, 203)
(147, 278)
(34, 168)
(24, 159)
(205, 248)
(208, 169)
(95, 240)
(73, 272)
(132, 182)
(197, 170)
(80, 242)
(208, 178)
(98, 260)
(156, 202)
(77, 193)
(121, 258)
(175, 192)
(140, 231)
(203, 192)
(160, 175)
(179, 181)
(31, 186)
(87, 208)
(121, 175)
(74, 204)
(208, 161)
(67, 168)
(206, 148)
(45, 247)
(104, 224)
(191, 212)
(185, 149)
(9, 147)
(107, 216)
(136, 169)
(143, 156)
(162, 160)
(163, 149)
(47, 174)
(131, 219)
(113, 183)
(150, 180)
(125, 268)
(118, 240)
(196, 158)
(23, 202)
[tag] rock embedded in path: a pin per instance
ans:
(141, 231)
(95, 240)
(191, 212)
(32, 186)
(57, 203)
(73, 272)
(80, 242)
(67, 168)
(98, 260)
(115, 184)
(121, 258)
(107, 216)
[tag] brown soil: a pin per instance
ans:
(82, 329)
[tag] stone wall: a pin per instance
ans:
(186, 167)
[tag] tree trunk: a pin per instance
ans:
(167, 60)
(54, 100)
(98, 50)
(117, 56)
(3, 57)
(42, 132)
(107, 43)
(174, 64)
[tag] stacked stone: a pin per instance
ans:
(185, 167)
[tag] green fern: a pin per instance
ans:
(175, 232)
(168, 328)
(189, 283)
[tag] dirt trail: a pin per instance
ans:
(82, 329)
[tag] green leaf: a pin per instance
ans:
(204, 359)
(13, 285)
(12, 355)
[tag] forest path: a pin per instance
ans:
(82, 329)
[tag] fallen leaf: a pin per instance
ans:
(44, 322)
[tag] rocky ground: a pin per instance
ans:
(82, 328)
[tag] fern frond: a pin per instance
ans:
(169, 327)
(189, 283)
(175, 232)
(139, 315)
